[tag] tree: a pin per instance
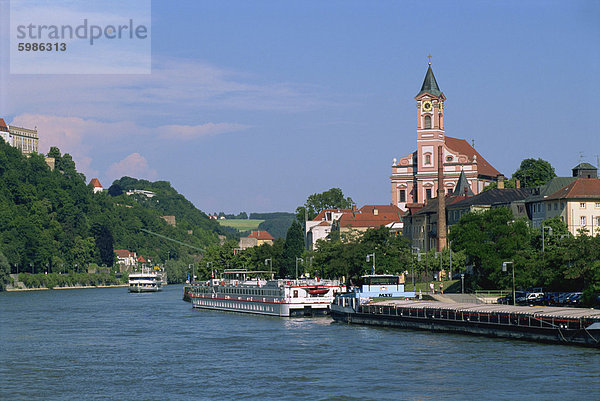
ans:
(292, 249)
(331, 199)
(488, 239)
(533, 173)
(104, 244)
(4, 271)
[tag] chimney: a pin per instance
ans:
(500, 181)
(441, 244)
(354, 207)
(517, 184)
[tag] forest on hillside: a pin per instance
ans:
(51, 221)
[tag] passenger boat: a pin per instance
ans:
(245, 291)
(145, 281)
(576, 326)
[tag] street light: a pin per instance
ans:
(270, 260)
(543, 237)
(413, 265)
(297, 259)
(209, 265)
(372, 255)
(504, 264)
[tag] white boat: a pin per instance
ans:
(145, 281)
(244, 291)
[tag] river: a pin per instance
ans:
(108, 344)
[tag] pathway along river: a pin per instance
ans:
(109, 344)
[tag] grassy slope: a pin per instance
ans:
(241, 224)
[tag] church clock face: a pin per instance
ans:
(427, 105)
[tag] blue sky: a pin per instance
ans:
(254, 105)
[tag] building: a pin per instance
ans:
(126, 259)
(95, 183)
(421, 222)
(535, 203)
(415, 177)
(171, 220)
(256, 238)
(24, 139)
(320, 227)
(577, 205)
(352, 222)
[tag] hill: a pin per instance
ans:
(52, 221)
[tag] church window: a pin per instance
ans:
(428, 193)
(449, 159)
(427, 122)
(402, 195)
(427, 159)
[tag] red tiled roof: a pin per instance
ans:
(141, 259)
(95, 183)
(321, 215)
(260, 235)
(123, 253)
(386, 214)
(3, 126)
(461, 146)
(582, 188)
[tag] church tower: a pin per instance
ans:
(430, 135)
(438, 159)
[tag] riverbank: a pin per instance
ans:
(74, 287)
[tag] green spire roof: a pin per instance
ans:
(429, 84)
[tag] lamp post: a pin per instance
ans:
(209, 265)
(543, 237)
(298, 259)
(270, 262)
(372, 255)
(504, 264)
(462, 283)
(413, 265)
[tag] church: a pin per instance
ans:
(415, 177)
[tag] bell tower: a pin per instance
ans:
(430, 134)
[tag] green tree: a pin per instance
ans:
(331, 199)
(489, 238)
(533, 173)
(4, 271)
(104, 244)
(292, 249)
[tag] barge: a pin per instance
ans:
(239, 291)
(576, 326)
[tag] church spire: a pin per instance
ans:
(462, 186)
(429, 84)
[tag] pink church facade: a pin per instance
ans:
(415, 176)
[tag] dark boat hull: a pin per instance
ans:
(377, 316)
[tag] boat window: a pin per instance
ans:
(295, 293)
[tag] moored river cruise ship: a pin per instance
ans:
(245, 291)
(147, 280)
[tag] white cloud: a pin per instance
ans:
(187, 132)
(90, 141)
(134, 165)
(175, 90)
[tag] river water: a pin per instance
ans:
(109, 344)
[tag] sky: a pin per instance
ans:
(255, 105)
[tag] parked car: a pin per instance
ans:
(508, 299)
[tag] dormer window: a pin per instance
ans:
(427, 122)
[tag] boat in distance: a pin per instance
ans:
(146, 280)
(244, 291)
